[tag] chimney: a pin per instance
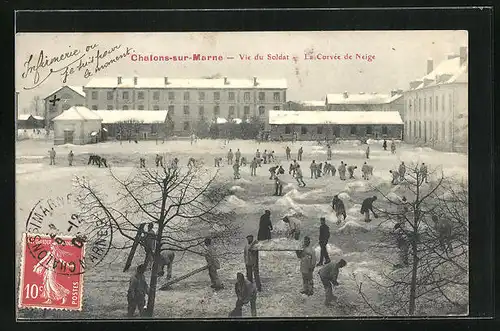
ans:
(119, 80)
(225, 81)
(430, 66)
(452, 56)
(399, 91)
(346, 95)
(463, 55)
(166, 81)
(427, 81)
(393, 93)
(255, 81)
(415, 84)
(135, 80)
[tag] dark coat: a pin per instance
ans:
(367, 205)
(265, 228)
(338, 205)
(324, 233)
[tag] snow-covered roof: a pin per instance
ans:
(360, 98)
(221, 120)
(77, 89)
(25, 117)
(76, 113)
(313, 103)
(144, 116)
(458, 73)
(208, 83)
(277, 117)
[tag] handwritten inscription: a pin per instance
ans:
(90, 60)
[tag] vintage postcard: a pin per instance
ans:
(242, 174)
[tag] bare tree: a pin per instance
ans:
(436, 274)
(36, 105)
(186, 204)
(129, 129)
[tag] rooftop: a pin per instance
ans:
(77, 89)
(334, 117)
(25, 117)
(77, 113)
(313, 103)
(360, 98)
(451, 67)
(209, 83)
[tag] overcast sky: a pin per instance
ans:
(400, 56)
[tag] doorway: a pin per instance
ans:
(68, 136)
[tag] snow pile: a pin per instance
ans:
(358, 186)
(393, 197)
(352, 227)
(237, 188)
(344, 196)
(331, 249)
(286, 203)
(243, 181)
(232, 202)
(277, 244)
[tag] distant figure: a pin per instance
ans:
(423, 172)
(367, 206)
(328, 275)
(328, 152)
(351, 169)
(402, 243)
(444, 229)
(166, 259)
(142, 162)
(52, 155)
(299, 177)
(384, 145)
(236, 170)
(293, 227)
(288, 153)
(252, 262)
(213, 265)
(265, 156)
(367, 153)
(324, 235)
(342, 169)
(339, 208)
(237, 156)
(191, 162)
(159, 160)
(395, 177)
(299, 153)
(253, 167)
(364, 171)
(230, 157)
(70, 158)
(393, 147)
(272, 171)
(246, 292)
(278, 186)
(319, 170)
(149, 239)
(402, 170)
(265, 226)
(307, 264)
(313, 168)
(137, 291)
(243, 161)
(217, 161)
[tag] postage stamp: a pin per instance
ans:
(51, 272)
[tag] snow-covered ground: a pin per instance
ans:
(105, 286)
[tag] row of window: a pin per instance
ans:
(187, 96)
(201, 109)
(419, 129)
(416, 107)
(336, 130)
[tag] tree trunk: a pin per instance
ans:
(413, 288)
(152, 285)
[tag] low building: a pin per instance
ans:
(77, 125)
(28, 121)
(320, 125)
(305, 105)
(366, 101)
(134, 124)
(63, 99)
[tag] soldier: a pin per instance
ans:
(299, 153)
(159, 160)
(328, 152)
(333, 171)
(319, 170)
(272, 170)
(236, 170)
(265, 156)
(364, 171)
(278, 185)
(393, 147)
(402, 170)
(70, 158)
(342, 168)
(367, 206)
(384, 145)
(307, 264)
(253, 167)
(142, 162)
(251, 257)
(52, 155)
(328, 275)
(280, 170)
(191, 162)
(137, 290)
(237, 156)
(257, 156)
(423, 172)
(217, 161)
(402, 244)
(243, 161)
(339, 208)
(324, 235)
(246, 292)
(395, 177)
(313, 168)
(367, 152)
(299, 177)
(271, 157)
(230, 156)
(166, 259)
(288, 153)
(265, 226)
(444, 229)
(402, 210)
(175, 164)
(213, 265)
(351, 169)
(149, 239)
(293, 227)
(102, 161)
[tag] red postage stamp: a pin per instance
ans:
(52, 271)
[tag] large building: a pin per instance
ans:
(134, 124)
(77, 125)
(436, 105)
(189, 100)
(320, 125)
(63, 99)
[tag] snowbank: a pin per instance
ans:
(358, 186)
(331, 249)
(277, 244)
(237, 188)
(345, 196)
(352, 227)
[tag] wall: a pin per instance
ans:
(65, 93)
(340, 131)
(148, 129)
(82, 131)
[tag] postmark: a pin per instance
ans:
(51, 272)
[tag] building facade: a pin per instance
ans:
(69, 96)
(436, 105)
(366, 101)
(188, 101)
(77, 125)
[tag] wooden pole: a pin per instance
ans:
(134, 247)
(178, 279)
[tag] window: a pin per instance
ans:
(156, 95)
(425, 105)
(216, 96)
(409, 106)
(171, 96)
(449, 103)
(430, 130)
(110, 107)
(156, 107)
(262, 110)
(353, 129)
(186, 110)
(436, 128)
(66, 106)
(94, 95)
(231, 96)
(437, 104)
(430, 105)
(369, 129)
(303, 130)
(443, 133)
(419, 105)
(231, 110)
(288, 129)
(276, 108)
(201, 111)
(216, 110)
(409, 128)
(186, 126)
(246, 110)
(154, 128)
(415, 129)
(450, 131)
(171, 110)
(110, 95)
(319, 130)
(94, 107)
(276, 96)
(384, 129)
(246, 96)
(125, 95)
(419, 129)
(140, 95)
(141, 107)
(125, 107)
(442, 103)
(201, 96)
(262, 96)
